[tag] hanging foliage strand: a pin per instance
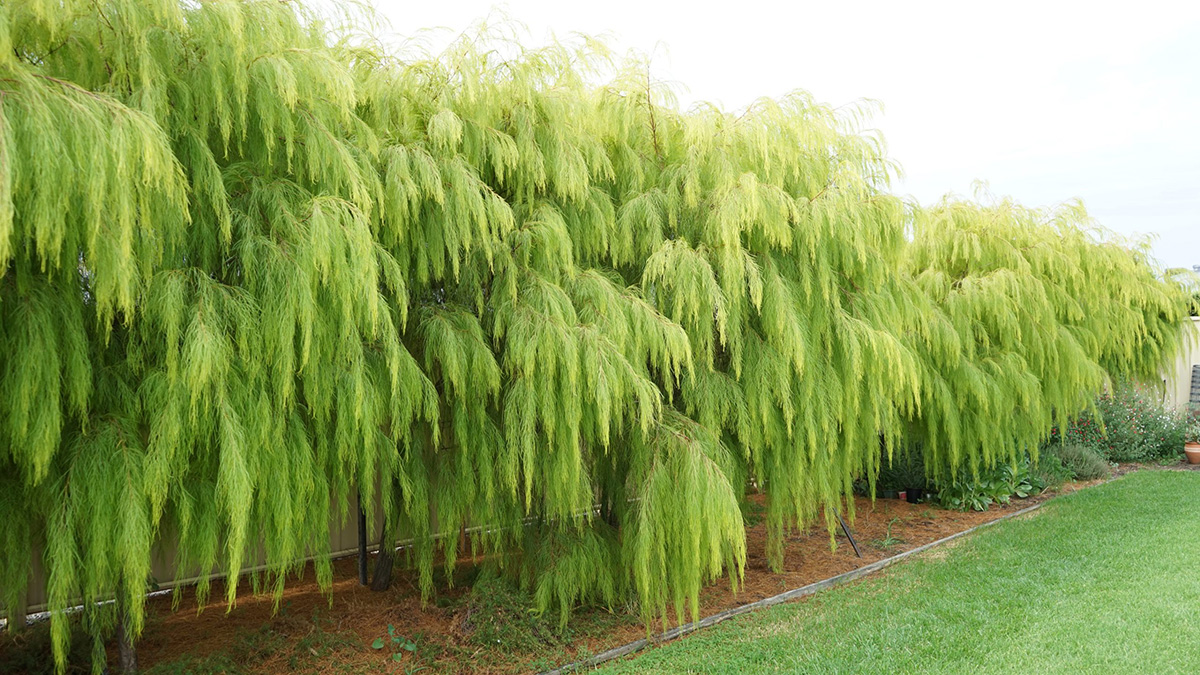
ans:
(252, 264)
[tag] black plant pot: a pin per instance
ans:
(914, 495)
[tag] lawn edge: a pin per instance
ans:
(810, 589)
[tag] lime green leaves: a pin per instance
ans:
(252, 268)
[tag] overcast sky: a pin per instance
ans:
(1045, 100)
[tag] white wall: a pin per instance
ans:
(1178, 382)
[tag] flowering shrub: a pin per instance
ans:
(1136, 427)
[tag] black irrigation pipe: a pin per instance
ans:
(680, 631)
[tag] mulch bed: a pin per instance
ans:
(356, 616)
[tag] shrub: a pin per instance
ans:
(1082, 462)
(1051, 471)
(1136, 427)
(905, 470)
(997, 485)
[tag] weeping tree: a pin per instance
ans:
(253, 264)
(202, 333)
(1032, 311)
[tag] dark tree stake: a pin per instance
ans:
(849, 536)
(362, 543)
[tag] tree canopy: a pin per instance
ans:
(253, 263)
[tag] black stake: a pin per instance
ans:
(849, 536)
(362, 543)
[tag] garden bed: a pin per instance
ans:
(441, 630)
(314, 633)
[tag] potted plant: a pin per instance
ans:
(911, 475)
(1191, 445)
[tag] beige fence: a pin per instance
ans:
(343, 540)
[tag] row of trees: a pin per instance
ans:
(252, 264)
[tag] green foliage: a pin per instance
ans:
(972, 607)
(1128, 425)
(995, 486)
(1082, 462)
(26, 651)
(1192, 431)
(997, 272)
(397, 645)
(497, 615)
(905, 469)
(567, 568)
(252, 264)
(889, 540)
(1051, 471)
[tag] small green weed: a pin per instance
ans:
(889, 540)
(398, 644)
(542, 664)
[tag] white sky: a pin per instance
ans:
(1046, 100)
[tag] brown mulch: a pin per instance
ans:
(355, 616)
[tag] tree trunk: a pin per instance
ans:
(608, 513)
(383, 567)
(16, 615)
(127, 656)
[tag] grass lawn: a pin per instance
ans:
(1103, 580)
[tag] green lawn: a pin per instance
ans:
(1103, 580)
